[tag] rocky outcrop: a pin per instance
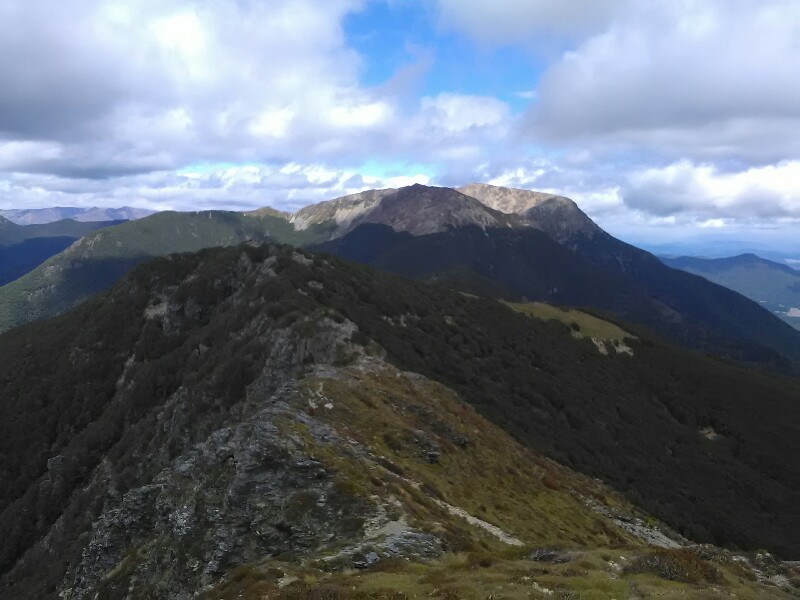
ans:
(342, 211)
(416, 209)
(557, 216)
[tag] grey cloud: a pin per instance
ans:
(513, 21)
(232, 82)
(707, 79)
(59, 74)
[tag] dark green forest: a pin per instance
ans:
(636, 422)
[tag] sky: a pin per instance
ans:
(663, 119)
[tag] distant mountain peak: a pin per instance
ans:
(507, 200)
(41, 216)
(557, 216)
(341, 210)
(421, 209)
(418, 209)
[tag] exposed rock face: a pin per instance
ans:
(342, 210)
(416, 209)
(249, 426)
(506, 200)
(249, 491)
(557, 216)
(420, 209)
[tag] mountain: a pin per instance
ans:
(775, 286)
(557, 216)
(709, 246)
(692, 313)
(501, 263)
(97, 260)
(41, 216)
(258, 421)
(626, 281)
(22, 248)
(416, 209)
(527, 263)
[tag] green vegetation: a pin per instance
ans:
(83, 394)
(12, 234)
(776, 287)
(99, 259)
(23, 248)
(675, 565)
(582, 323)
(432, 438)
(587, 575)
(591, 271)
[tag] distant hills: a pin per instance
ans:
(40, 216)
(22, 248)
(97, 260)
(548, 249)
(485, 239)
(260, 421)
(775, 286)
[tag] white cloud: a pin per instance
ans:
(241, 187)
(706, 193)
(666, 113)
(453, 113)
(691, 78)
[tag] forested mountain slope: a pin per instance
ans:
(773, 285)
(97, 260)
(526, 263)
(509, 255)
(208, 376)
(23, 248)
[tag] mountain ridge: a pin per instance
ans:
(416, 209)
(691, 311)
(24, 247)
(558, 216)
(41, 216)
(774, 285)
(246, 406)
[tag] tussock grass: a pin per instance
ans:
(587, 325)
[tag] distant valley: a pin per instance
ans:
(501, 242)
(23, 248)
(775, 286)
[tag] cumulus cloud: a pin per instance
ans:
(453, 113)
(696, 79)
(110, 89)
(673, 112)
(235, 187)
(770, 192)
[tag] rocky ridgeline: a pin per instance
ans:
(291, 446)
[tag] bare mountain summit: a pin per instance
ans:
(557, 216)
(416, 209)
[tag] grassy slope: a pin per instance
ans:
(598, 574)
(492, 477)
(99, 259)
(775, 286)
(587, 325)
